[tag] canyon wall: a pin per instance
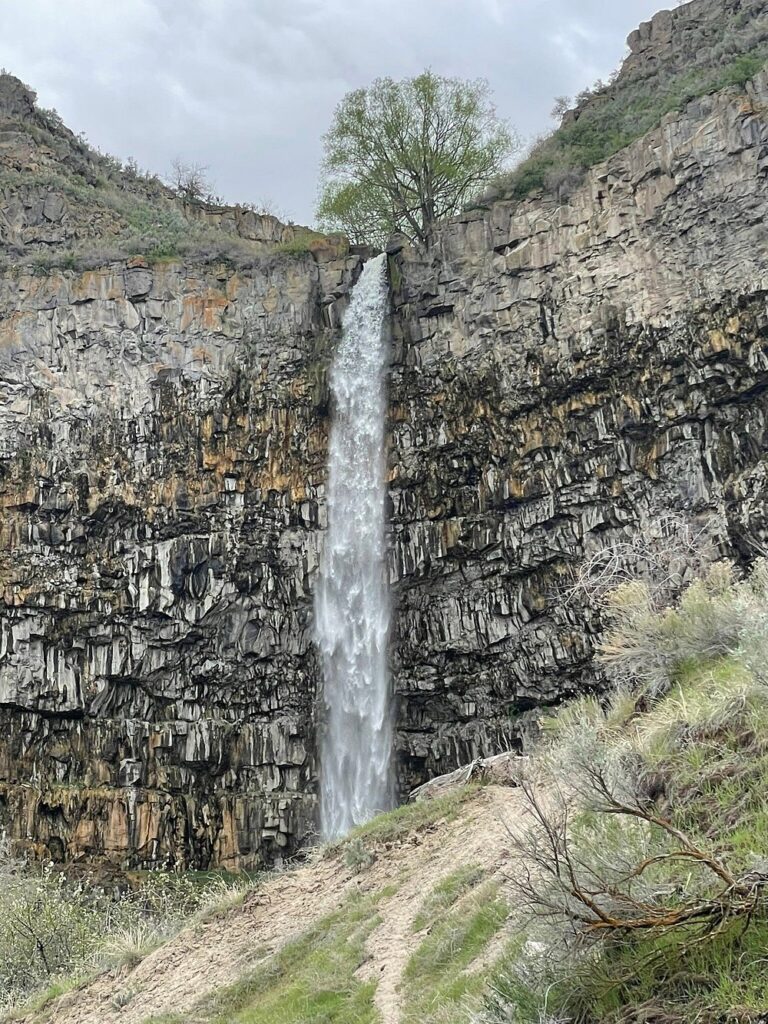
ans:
(163, 432)
(565, 373)
(562, 373)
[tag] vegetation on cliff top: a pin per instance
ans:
(611, 115)
(117, 211)
(401, 156)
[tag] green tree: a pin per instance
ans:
(400, 156)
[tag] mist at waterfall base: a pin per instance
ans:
(351, 600)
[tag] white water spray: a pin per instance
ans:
(351, 601)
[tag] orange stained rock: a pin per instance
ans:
(98, 284)
(233, 287)
(11, 324)
(202, 354)
(451, 528)
(399, 413)
(227, 846)
(317, 440)
(221, 462)
(298, 490)
(270, 301)
(515, 487)
(84, 836)
(26, 492)
(723, 341)
(632, 404)
(203, 311)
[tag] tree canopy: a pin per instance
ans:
(400, 156)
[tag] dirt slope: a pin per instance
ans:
(216, 953)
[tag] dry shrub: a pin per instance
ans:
(667, 553)
(637, 873)
(645, 645)
(52, 928)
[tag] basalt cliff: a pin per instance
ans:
(564, 370)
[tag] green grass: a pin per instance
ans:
(309, 981)
(41, 999)
(742, 69)
(204, 880)
(722, 979)
(436, 980)
(706, 981)
(300, 243)
(408, 818)
(446, 893)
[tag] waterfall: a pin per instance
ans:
(351, 600)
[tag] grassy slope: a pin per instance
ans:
(314, 979)
(115, 210)
(438, 977)
(414, 910)
(310, 981)
(698, 758)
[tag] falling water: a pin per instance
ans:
(351, 601)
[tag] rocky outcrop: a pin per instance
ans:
(696, 33)
(62, 203)
(163, 451)
(564, 373)
(561, 374)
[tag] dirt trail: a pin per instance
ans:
(217, 952)
(477, 838)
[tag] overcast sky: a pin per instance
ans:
(247, 87)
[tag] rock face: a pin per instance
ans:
(163, 449)
(561, 374)
(696, 33)
(564, 374)
(163, 431)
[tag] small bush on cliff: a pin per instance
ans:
(191, 183)
(641, 883)
(356, 857)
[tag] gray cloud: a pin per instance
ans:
(247, 87)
